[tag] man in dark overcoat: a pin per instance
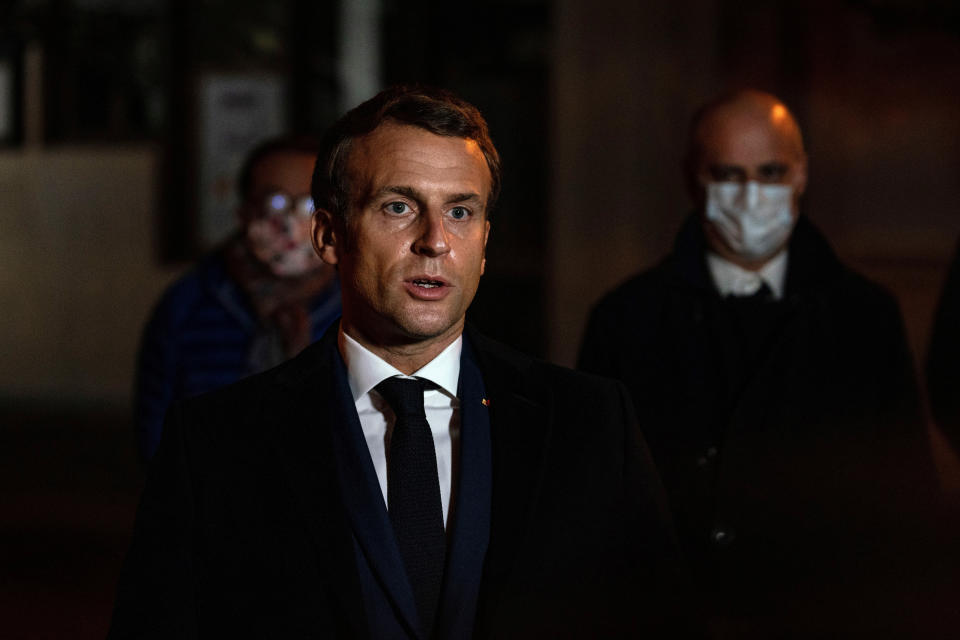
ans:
(776, 390)
(404, 477)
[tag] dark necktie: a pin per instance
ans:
(413, 494)
(755, 322)
(763, 294)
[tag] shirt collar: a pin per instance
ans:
(365, 370)
(734, 280)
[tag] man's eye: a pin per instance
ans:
(726, 174)
(459, 213)
(304, 206)
(398, 208)
(772, 172)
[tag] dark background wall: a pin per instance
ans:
(588, 103)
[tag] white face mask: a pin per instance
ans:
(283, 245)
(754, 219)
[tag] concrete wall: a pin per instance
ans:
(78, 272)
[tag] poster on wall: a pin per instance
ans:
(236, 112)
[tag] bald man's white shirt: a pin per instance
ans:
(734, 280)
(365, 370)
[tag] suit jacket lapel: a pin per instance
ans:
(324, 459)
(359, 487)
(364, 500)
(469, 528)
(520, 432)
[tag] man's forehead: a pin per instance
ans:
(394, 149)
(283, 157)
(278, 168)
(746, 141)
(398, 137)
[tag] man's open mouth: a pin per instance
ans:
(428, 284)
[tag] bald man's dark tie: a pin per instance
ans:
(413, 494)
(756, 318)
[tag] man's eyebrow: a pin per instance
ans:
(413, 194)
(726, 168)
(724, 165)
(409, 192)
(463, 197)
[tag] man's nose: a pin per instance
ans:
(280, 224)
(432, 235)
(751, 193)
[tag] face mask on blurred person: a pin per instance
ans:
(753, 219)
(280, 237)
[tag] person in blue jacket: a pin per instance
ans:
(255, 301)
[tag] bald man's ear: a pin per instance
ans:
(325, 236)
(800, 179)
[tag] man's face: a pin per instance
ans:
(277, 213)
(412, 252)
(749, 146)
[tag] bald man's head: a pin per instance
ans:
(744, 136)
(746, 129)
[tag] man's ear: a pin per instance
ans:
(325, 236)
(800, 183)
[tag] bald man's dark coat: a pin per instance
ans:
(789, 435)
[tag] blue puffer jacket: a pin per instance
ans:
(201, 336)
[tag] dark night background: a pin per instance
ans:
(588, 104)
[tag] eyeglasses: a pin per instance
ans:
(280, 203)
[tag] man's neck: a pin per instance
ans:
(405, 356)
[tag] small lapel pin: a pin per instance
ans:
(485, 402)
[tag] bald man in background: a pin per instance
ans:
(777, 393)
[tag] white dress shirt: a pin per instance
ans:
(365, 370)
(733, 280)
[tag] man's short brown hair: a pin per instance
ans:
(436, 110)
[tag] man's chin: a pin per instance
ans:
(428, 327)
